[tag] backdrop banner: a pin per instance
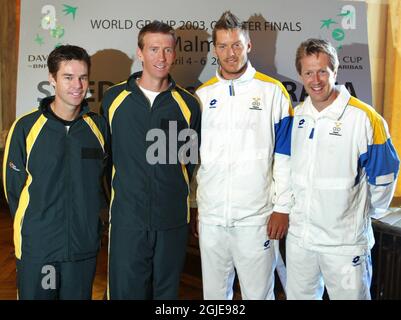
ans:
(108, 31)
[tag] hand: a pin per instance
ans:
(194, 222)
(277, 226)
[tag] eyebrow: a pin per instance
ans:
(224, 43)
(71, 74)
(159, 46)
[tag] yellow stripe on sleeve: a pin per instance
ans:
(183, 106)
(7, 150)
(94, 129)
(115, 104)
(108, 249)
(24, 198)
(379, 132)
(186, 177)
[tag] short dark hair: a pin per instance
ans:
(66, 53)
(229, 21)
(155, 27)
(315, 46)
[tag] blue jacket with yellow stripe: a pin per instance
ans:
(52, 180)
(150, 185)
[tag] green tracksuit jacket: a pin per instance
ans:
(145, 195)
(52, 180)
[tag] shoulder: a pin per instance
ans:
(373, 118)
(363, 107)
(113, 92)
(190, 99)
(208, 84)
(99, 120)
(367, 111)
(269, 81)
(116, 88)
(27, 121)
(299, 108)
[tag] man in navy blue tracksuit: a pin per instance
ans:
(150, 185)
(52, 174)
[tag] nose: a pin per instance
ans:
(316, 77)
(77, 83)
(162, 55)
(230, 51)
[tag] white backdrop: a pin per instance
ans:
(108, 31)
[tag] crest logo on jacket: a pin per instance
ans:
(301, 123)
(336, 129)
(212, 104)
(255, 104)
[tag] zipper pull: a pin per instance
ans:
(231, 87)
(311, 133)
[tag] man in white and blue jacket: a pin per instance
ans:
(243, 193)
(343, 171)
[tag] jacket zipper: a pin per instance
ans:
(152, 167)
(311, 170)
(228, 211)
(231, 88)
(149, 175)
(69, 188)
(69, 185)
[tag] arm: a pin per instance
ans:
(192, 169)
(194, 206)
(195, 126)
(381, 164)
(14, 162)
(107, 161)
(107, 149)
(278, 222)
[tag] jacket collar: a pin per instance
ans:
(44, 107)
(248, 75)
(132, 86)
(333, 111)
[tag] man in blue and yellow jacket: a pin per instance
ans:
(154, 128)
(52, 174)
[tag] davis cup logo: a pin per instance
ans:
(51, 23)
(345, 20)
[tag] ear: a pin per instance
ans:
(300, 78)
(52, 80)
(139, 54)
(249, 46)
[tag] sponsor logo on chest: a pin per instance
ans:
(213, 104)
(301, 123)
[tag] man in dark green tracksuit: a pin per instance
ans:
(52, 173)
(154, 136)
